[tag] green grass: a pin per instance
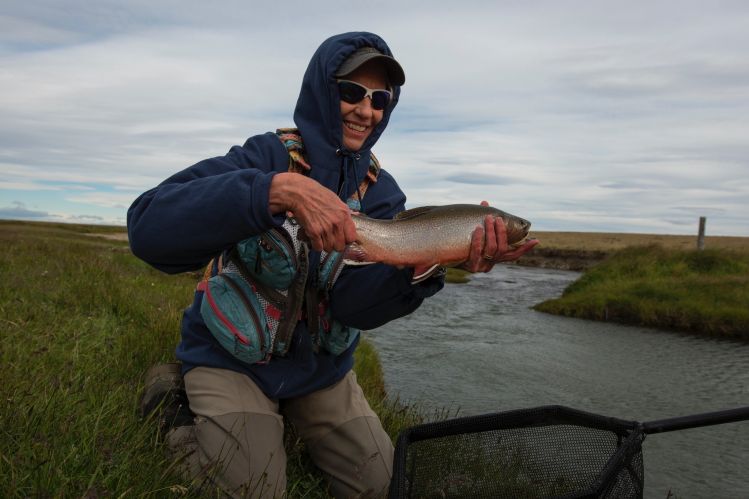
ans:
(705, 292)
(81, 320)
(457, 276)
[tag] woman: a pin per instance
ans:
(349, 90)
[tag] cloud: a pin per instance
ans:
(479, 179)
(86, 218)
(568, 113)
(26, 186)
(626, 184)
(18, 211)
(104, 199)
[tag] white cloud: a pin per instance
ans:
(26, 186)
(625, 111)
(104, 199)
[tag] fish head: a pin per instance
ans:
(517, 229)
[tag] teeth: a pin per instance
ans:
(353, 126)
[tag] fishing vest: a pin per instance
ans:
(254, 294)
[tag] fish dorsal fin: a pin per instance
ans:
(414, 212)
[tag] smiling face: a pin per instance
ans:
(361, 118)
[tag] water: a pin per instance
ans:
(478, 348)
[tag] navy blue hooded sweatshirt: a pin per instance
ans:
(207, 208)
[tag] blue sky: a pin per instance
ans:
(594, 116)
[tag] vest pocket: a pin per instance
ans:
(232, 312)
(270, 257)
(336, 338)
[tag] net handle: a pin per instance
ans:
(696, 420)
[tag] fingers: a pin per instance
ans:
(331, 230)
(326, 219)
(477, 246)
(484, 259)
(349, 231)
(332, 234)
(520, 251)
(489, 246)
(474, 256)
(316, 242)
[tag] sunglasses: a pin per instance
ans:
(353, 93)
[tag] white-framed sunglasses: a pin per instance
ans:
(353, 93)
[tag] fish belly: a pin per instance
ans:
(418, 243)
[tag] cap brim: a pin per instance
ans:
(396, 76)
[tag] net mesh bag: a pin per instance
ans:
(548, 451)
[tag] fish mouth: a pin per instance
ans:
(521, 242)
(523, 229)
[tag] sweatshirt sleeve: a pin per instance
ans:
(193, 215)
(369, 296)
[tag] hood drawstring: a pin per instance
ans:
(350, 160)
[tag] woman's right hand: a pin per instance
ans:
(326, 219)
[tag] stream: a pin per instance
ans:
(478, 348)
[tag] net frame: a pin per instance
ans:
(618, 473)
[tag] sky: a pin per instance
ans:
(593, 116)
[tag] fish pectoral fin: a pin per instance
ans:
(354, 263)
(354, 254)
(424, 275)
(414, 212)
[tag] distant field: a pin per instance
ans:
(611, 241)
(585, 241)
(589, 241)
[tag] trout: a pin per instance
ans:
(426, 236)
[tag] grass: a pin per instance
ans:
(613, 241)
(457, 276)
(705, 292)
(81, 320)
(580, 251)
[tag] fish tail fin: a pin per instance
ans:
(354, 254)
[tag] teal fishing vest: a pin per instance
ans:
(254, 295)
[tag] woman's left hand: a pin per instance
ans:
(489, 246)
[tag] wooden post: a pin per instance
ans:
(701, 235)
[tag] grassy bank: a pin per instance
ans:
(608, 242)
(582, 250)
(706, 292)
(81, 320)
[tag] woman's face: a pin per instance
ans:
(361, 118)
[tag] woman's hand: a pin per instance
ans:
(489, 246)
(326, 220)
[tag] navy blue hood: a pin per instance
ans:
(318, 109)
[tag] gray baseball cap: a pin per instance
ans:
(396, 76)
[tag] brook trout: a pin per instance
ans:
(429, 235)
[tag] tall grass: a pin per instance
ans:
(700, 291)
(81, 320)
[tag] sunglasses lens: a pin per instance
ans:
(351, 92)
(380, 99)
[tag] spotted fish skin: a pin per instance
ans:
(425, 236)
